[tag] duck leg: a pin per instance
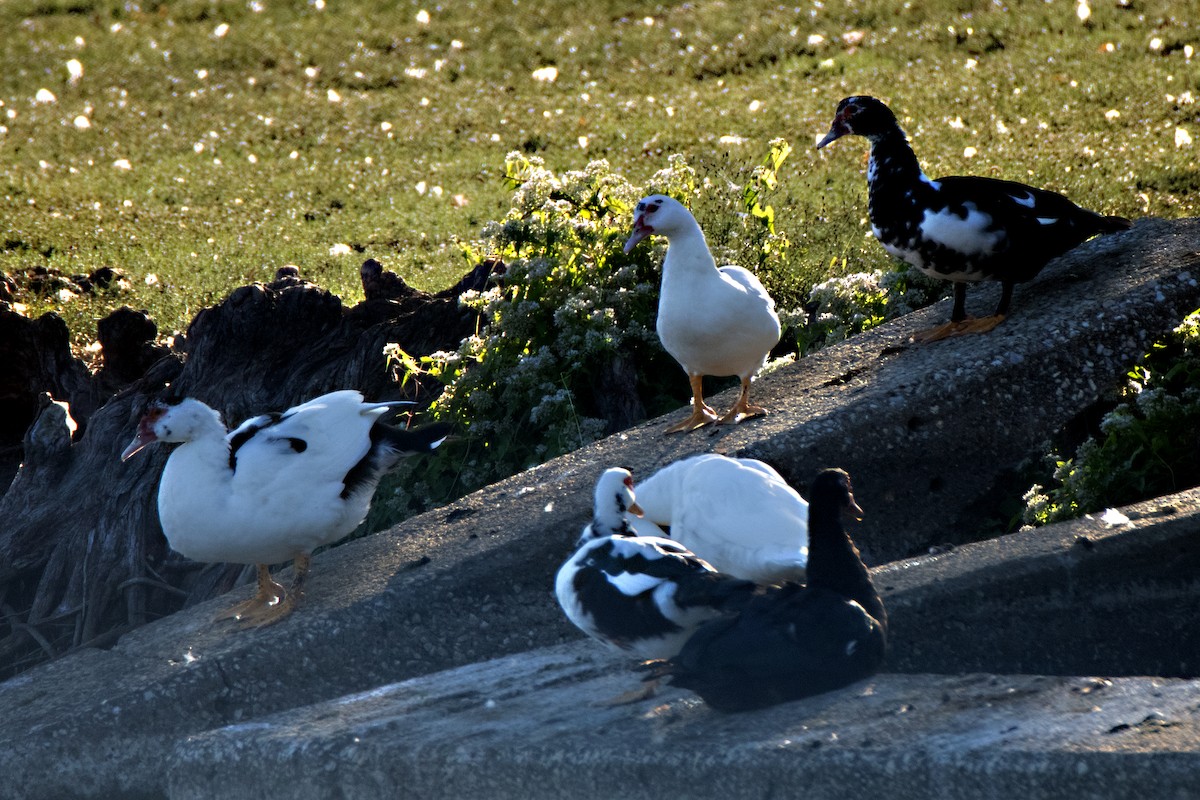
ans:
(743, 408)
(960, 323)
(646, 691)
(702, 412)
(269, 593)
(269, 615)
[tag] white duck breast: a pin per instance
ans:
(738, 514)
(713, 321)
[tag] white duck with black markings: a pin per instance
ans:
(277, 487)
(642, 595)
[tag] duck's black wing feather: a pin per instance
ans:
(389, 444)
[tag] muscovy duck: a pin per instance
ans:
(712, 321)
(794, 641)
(643, 595)
(964, 228)
(275, 488)
(738, 514)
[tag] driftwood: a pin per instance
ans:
(82, 556)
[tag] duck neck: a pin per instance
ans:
(834, 562)
(688, 252)
(892, 170)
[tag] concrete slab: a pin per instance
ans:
(534, 726)
(925, 431)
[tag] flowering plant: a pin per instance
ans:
(1144, 447)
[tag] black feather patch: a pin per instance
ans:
(388, 446)
(623, 618)
(247, 432)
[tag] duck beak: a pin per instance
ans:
(636, 510)
(640, 231)
(836, 131)
(854, 511)
(144, 437)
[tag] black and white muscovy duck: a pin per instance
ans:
(643, 595)
(960, 229)
(712, 321)
(794, 641)
(275, 488)
(738, 514)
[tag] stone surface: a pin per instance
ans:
(201, 697)
(925, 431)
(535, 726)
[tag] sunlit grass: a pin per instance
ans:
(206, 144)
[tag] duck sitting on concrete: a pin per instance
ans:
(794, 641)
(738, 514)
(277, 487)
(712, 321)
(642, 595)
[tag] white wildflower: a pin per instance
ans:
(44, 96)
(546, 74)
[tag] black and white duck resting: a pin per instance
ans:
(794, 641)
(738, 514)
(275, 488)
(712, 321)
(961, 229)
(643, 595)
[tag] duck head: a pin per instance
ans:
(659, 214)
(179, 421)
(613, 499)
(860, 115)
(835, 484)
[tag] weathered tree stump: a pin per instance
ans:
(82, 556)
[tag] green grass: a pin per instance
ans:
(240, 161)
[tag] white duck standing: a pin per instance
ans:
(738, 514)
(713, 321)
(275, 488)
